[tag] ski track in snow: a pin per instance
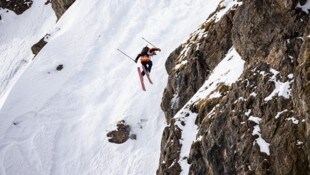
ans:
(55, 122)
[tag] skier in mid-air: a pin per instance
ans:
(145, 55)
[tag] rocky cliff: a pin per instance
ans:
(260, 123)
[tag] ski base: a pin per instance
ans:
(141, 79)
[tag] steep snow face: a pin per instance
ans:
(55, 122)
(17, 34)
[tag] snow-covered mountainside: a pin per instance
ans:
(237, 98)
(17, 34)
(230, 93)
(55, 122)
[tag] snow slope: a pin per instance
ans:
(17, 34)
(55, 122)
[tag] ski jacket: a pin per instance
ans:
(146, 53)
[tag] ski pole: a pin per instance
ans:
(126, 55)
(148, 42)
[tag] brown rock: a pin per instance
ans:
(170, 147)
(60, 6)
(183, 82)
(18, 6)
(59, 67)
(39, 45)
(121, 134)
(269, 35)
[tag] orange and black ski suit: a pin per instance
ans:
(145, 58)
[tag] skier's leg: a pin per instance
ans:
(143, 64)
(150, 64)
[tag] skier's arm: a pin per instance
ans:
(155, 49)
(137, 57)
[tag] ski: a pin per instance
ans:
(141, 79)
(147, 74)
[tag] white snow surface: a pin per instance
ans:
(305, 7)
(281, 88)
(17, 34)
(55, 122)
(279, 113)
(263, 145)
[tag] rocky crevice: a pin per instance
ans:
(260, 124)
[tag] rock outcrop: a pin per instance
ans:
(17, 6)
(121, 134)
(259, 124)
(190, 64)
(61, 6)
(39, 45)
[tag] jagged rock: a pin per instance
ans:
(170, 146)
(133, 136)
(256, 32)
(301, 86)
(200, 55)
(227, 137)
(59, 67)
(273, 38)
(60, 6)
(199, 159)
(121, 134)
(39, 45)
(18, 6)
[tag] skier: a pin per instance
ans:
(145, 55)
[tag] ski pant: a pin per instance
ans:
(148, 66)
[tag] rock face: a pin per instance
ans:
(18, 6)
(170, 146)
(60, 6)
(39, 45)
(260, 124)
(188, 66)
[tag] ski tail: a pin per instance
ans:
(141, 79)
(147, 74)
